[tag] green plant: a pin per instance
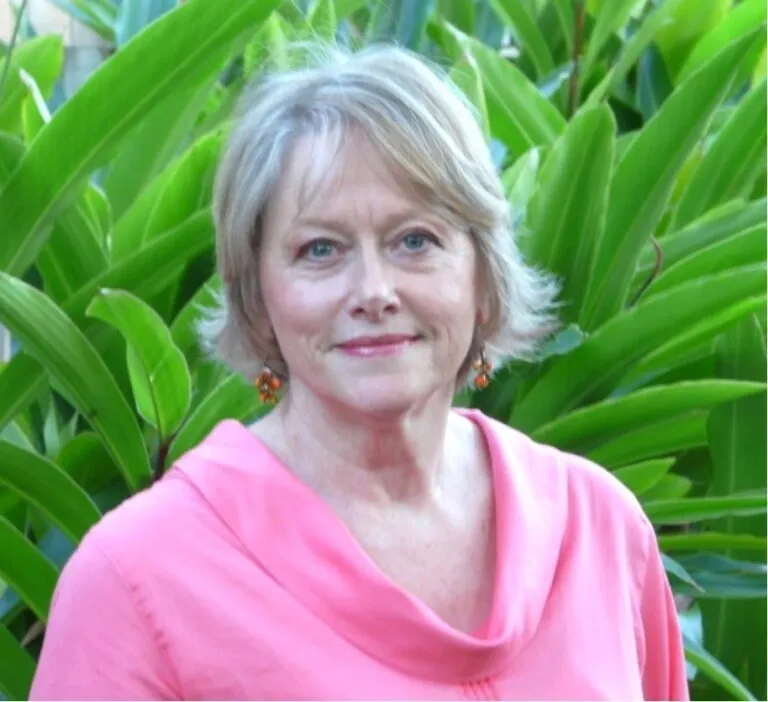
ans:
(631, 142)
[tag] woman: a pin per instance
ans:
(365, 540)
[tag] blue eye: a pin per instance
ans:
(318, 249)
(417, 241)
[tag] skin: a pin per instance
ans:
(374, 435)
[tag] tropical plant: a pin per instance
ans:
(631, 137)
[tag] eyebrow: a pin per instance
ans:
(391, 221)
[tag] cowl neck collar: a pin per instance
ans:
(306, 548)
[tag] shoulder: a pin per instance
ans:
(587, 495)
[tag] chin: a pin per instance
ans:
(384, 398)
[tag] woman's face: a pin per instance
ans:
(371, 297)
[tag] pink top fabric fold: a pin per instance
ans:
(231, 579)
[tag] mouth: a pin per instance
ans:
(384, 345)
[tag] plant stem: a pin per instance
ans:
(14, 38)
(578, 41)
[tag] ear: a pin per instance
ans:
(483, 315)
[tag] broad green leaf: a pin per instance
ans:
(459, 13)
(716, 225)
(17, 667)
(741, 249)
(26, 570)
(696, 509)
(672, 567)
(712, 541)
(632, 50)
(582, 428)
(645, 178)
(732, 163)
(135, 15)
(42, 58)
(611, 17)
(185, 45)
(716, 671)
(143, 273)
(671, 353)
(670, 487)
(160, 378)
(745, 16)
(653, 83)
(184, 326)
(520, 117)
(88, 463)
(466, 75)
(181, 190)
(736, 631)
(322, 19)
(690, 21)
(740, 589)
(232, 399)
(68, 356)
(34, 110)
(576, 174)
(680, 433)
(98, 15)
(73, 254)
(46, 486)
(641, 477)
(153, 144)
(269, 47)
(527, 33)
(592, 369)
(519, 181)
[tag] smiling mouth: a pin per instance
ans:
(373, 346)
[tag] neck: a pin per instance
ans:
(379, 460)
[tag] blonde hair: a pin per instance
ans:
(424, 127)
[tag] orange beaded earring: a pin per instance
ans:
(483, 368)
(268, 384)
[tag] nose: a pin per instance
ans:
(373, 290)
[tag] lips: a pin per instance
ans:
(382, 345)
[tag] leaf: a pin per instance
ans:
(135, 15)
(68, 356)
(42, 58)
(520, 117)
(184, 327)
(712, 227)
(465, 74)
(641, 477)
(232, 399)
(50, 489)
(739, 250)
(519, 182)
(735, 631)
(185, 45)
(611, 17)
(527, 33)
(696, 509)
(653, 83)
(587, 426)
(716, 671)
(34, 110)
(26, 570)
(712, 541)
(745, 16)
(143, 273)
(592, 369)
(645, 178)
(17, 667)
(94, 14)
(670, 487)
(732, 163)
(459, 13)
(84, 459)
(632, 50)
(576, 174)
(672, 567)
(680, 433)
(160, 378)
(322, 18)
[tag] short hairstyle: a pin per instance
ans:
(424, 127)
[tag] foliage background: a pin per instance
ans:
(631, 138)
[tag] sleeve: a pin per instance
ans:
(98, 644)
(664, 669)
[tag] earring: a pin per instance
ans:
(268, 384)
(483, 368)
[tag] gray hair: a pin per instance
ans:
(426, 129)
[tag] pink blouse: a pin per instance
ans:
(230, 579)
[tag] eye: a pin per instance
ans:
(418, 240)
(318, 250)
